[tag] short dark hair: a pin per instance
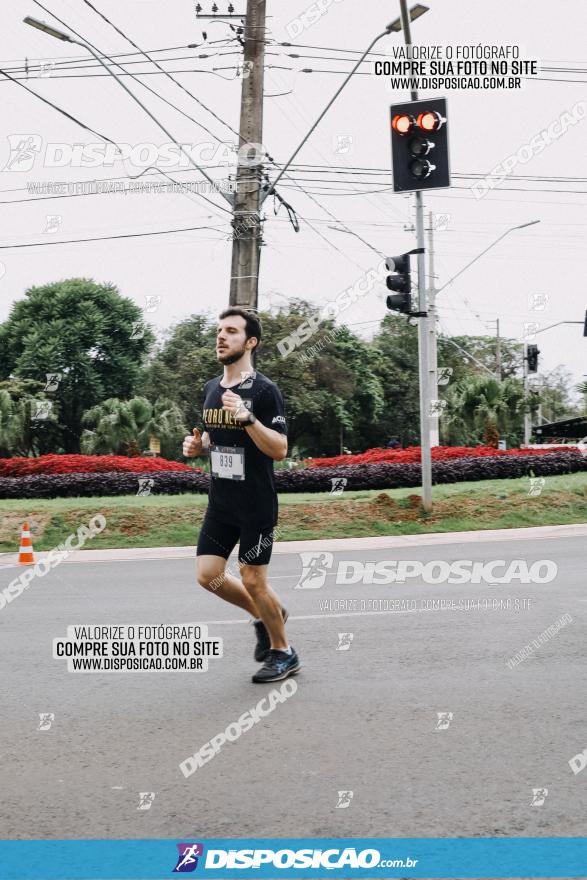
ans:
(252, 322)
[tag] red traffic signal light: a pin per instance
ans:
(419, 145)
(403, 123)
(430, 120)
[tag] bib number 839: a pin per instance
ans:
(225, 460)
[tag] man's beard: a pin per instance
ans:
(231, 358)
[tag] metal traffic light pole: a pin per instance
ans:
(423, 350)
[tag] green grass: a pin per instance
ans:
(174, 520)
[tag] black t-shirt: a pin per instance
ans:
(242, 483)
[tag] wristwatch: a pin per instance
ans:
(251, 419)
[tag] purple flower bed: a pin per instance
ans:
(371, 476)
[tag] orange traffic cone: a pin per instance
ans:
(26, 555)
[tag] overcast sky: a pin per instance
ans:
(190, 271)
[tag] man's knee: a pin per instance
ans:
(254, 578)
(211, 577)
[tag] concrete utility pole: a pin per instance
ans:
(432, 344)
(246, 223)
(498, 350)
(423, 332)
(527, 415)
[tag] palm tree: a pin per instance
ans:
(115, 426)
(482, 409)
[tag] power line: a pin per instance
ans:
(156, 63)
(107, 237)
(140, 82)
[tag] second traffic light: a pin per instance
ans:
(419, 145)
(532, 353)
(400, 281)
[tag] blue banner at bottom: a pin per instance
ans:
(230, 858)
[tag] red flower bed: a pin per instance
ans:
(411, 455)
(75, 464)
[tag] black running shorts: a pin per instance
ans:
(219, 537)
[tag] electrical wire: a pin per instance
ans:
(5, 247)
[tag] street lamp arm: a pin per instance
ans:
(492, 245)
(384, 33)
(558, 324)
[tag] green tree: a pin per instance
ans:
(118, 426)
(28, 425)
(475, 355)
(85, 332)
(479, 407)
(395, 352)
(183, 364)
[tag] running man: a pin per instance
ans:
(245, 432)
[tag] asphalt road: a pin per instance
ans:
(362, 720)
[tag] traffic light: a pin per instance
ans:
(532, 358)
(419, 145)
(400, 281)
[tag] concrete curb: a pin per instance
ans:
(382, 542)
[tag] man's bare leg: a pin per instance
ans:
(212, 575)
(254, 579)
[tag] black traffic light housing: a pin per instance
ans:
(532, 357)
(419, 145)
(401, 281)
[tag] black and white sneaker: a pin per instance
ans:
(278, 665)
(263, 641)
